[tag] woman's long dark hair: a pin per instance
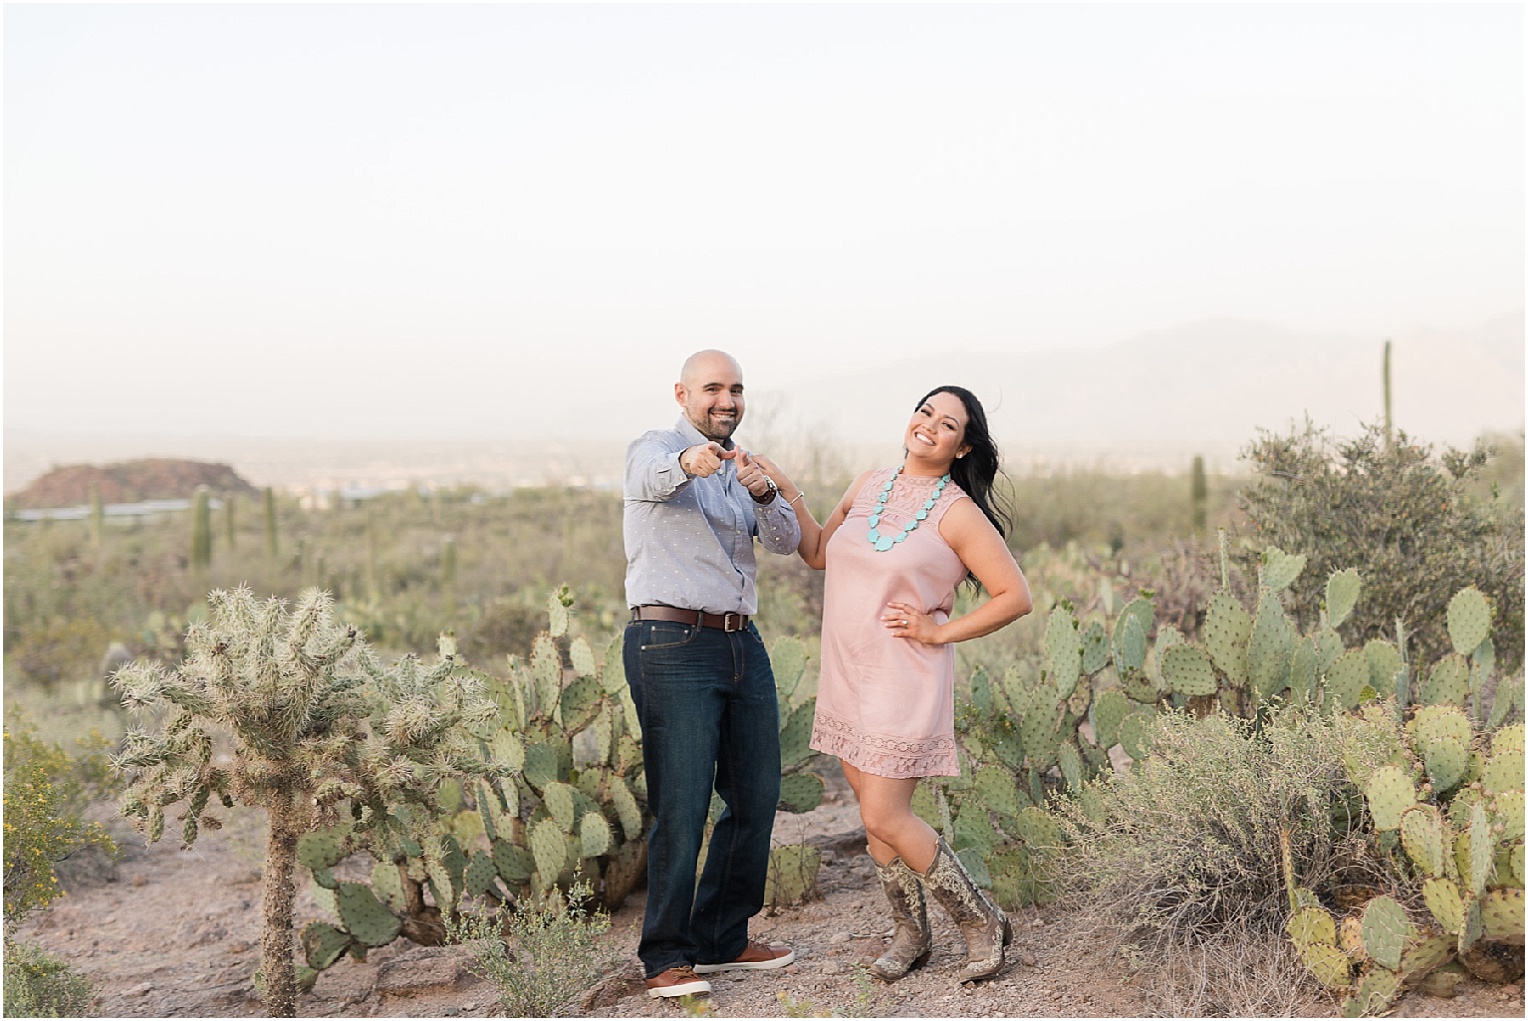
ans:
(976, 472)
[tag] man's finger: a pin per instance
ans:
(727, 455)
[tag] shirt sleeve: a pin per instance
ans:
(652, 470)
(779, 531)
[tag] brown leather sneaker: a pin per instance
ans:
(755, 957)
(679, 981)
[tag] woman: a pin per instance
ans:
(895, 549)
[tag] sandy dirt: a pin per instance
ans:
(171, 933)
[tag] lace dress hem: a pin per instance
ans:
(895, 757)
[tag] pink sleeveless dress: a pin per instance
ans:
(885, 705)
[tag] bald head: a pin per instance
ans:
(710, 390)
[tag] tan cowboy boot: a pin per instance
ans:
(984, 925)
(913, 942)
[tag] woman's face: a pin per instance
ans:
(937, 431)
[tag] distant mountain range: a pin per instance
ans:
(1206, 387)
(1152, 401)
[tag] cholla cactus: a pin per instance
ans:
(320, 730)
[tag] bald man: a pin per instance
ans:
(700, 676)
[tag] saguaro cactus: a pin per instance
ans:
(270, 523)
(201, 528)
(318, 728)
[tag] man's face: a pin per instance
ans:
(712, 396)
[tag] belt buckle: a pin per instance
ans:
(732, 622)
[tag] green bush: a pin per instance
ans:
(46, 793)
(1415, 522)
(539, 959)
(1189, 839)
(38, 984)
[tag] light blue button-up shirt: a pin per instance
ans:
(689, 541)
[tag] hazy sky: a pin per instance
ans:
(495, 220)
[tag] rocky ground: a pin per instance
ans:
(175, 933)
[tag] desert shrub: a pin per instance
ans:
(60, 650)
(46, 794)
(1414, 521)
(540, 959)
(1187, 844)
(37, 984)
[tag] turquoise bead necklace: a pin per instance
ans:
(882, 543)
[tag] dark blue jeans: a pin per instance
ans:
(706, 699)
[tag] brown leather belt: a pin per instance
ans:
(725, 621)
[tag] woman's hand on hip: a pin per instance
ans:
(904, 620)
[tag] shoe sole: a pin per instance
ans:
(778, 962)
(682, 989)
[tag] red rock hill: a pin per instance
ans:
(158, 478)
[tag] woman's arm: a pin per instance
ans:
(813, 548)
(986, 555)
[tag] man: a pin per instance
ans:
(701, 679)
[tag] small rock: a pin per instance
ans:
(832, 968)
(840, 937)
(140, 880)
(451, 1012)
(1038, 923)
(238, 948)
(147, 987)
(1028, 960)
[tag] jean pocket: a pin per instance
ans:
(660, 635)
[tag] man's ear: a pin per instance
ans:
(679, 394)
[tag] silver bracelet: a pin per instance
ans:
(792, 500)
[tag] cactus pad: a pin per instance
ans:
(796, 736)
(1507, 737)
(549, 849)
(1386, 929)
(1501, 915)
(791, 874)
(1037, 730)
(1389, 793)
(1037, 829)
(513, 862)
(1311, 926)
(1188, 670)
(1280, 569)
(541, 765)
(1446, 761)
(557, 614)
(1329, 965)
(1108, 710)
(1129, 644)
(1303, 667)
(1422, 838)
(387, 885)
(582, 657)
(322, 944)
(801, 792)
(1469, 620)
(1384, 664)
(579, 703)
(1227, 630)
(594, 835)
(321, 849)
(1341, 596)
(626, 809)
(1481, 848)
(1503, 772)
(1063, 650)
(1425, 955)
(1095, 651)
(998, 790)
(546, 669)
(787, 659)
(1374, 994)
(364, 917)
(1432, 721)
(480, 874)
(1449, 682)
(1346, 677)
(1508, 812)
(613, 678)
(1133, 733)
(508, 750)
(1444, 903)
(558, 799)
(1270, 647)
(1070, 762)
